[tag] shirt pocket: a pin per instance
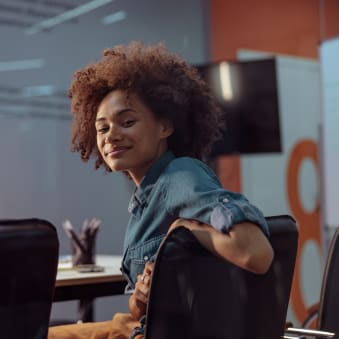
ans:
(142, 253)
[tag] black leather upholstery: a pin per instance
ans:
(28, 261)
(329, 299)
(196, 295)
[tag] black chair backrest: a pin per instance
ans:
(195, 294)
(329, 298)
(28, 260)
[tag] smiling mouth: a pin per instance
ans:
(117, 152)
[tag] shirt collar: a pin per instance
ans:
(141, 192)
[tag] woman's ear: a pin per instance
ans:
(167, 128)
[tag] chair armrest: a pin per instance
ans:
(312, 314)
(309, 332)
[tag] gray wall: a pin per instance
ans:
(39, 177)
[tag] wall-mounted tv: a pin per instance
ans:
(248, 93)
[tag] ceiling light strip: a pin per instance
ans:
(113, 18)
(20, 65)
(68, 15)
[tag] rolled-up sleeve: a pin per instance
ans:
(234, 209)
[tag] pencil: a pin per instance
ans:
(72, 235)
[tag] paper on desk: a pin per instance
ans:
(65, 262)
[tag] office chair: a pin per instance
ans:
(197, 295)
(327, 321)
(28, 260)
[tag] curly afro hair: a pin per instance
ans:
(168, 85)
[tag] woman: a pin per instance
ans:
(145, 112)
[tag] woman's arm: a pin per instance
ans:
(245, 245)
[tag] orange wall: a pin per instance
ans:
(281, 26)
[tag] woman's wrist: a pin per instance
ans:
(136, 307)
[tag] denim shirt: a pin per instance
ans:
(178, 188)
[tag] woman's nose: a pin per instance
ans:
(113, 135)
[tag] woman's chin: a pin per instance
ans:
(117, 168)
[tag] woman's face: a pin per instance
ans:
(129, 136)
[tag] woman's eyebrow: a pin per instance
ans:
(118, 113)
(100, 119)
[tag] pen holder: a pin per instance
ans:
(83, 244)
(83, 257)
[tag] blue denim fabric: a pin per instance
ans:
(178, 188)
(139, 329)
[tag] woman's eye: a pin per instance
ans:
(102, 129)
(128, 123)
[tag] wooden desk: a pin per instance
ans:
(85, 287)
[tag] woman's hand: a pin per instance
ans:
(143, 283)
(139, 299)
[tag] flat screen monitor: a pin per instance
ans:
(247, 91)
